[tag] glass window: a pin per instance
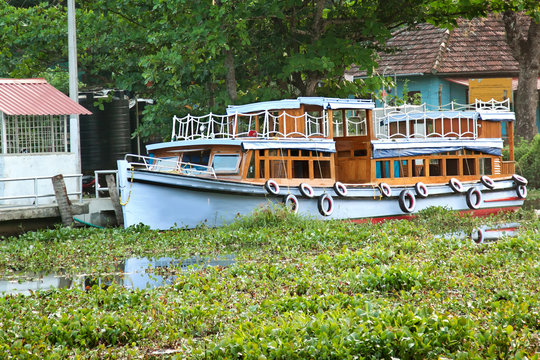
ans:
(278, 169)
(435, 168)
(251, 169)
(401, 168)
(321, 169)
(452, 167)
(419, 167)
(356, 122)
(360, 152)
(337, 120)
(196, 157)
(226, 163)
(382, 169)
(300, 169)
(469, 167)
(485, 166)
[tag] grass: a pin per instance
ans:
(300, 289)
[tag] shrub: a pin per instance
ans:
(527, 155)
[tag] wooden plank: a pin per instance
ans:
(62, 199)
(113, 193)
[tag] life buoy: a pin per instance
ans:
(291, 202)
(521, 191)
(407, 201)
(271, 187)
(474, 198)
(323, 208)
(519, 180)
(421, 190)
(306, 190)
(477, 235)
(340, 189)
(487, 182)
(385, 189)
(455, 185)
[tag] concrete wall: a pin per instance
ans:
(35, 165)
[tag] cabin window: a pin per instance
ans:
(321, 169)
(469, 167)
(452, 167)
(196, 157)
(419, 167)
(226, 163)
(401, 168)
(356, 122)
(435, 168)
(382, 169)
(485, 166)
(251, 168)
(261, 169)
(278, 169)
(300, 169)
(345, 153)
(315, 123)
(337, 121)
(360, 152)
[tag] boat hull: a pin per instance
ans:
(167, 200)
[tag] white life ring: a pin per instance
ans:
(323, 209)
(519, 180)
(474, 198)
(455, 185)
(421, 190)
(477, 235)
(271, 187)
(521, 191)
(407, 201)
(340, 189)
(291, 202)
(385, 189)
(306, 190)
(487, 182)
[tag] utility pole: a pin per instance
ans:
(74, 139)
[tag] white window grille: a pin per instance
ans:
(34, 134)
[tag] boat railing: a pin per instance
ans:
(170, 165)
(263, 124)
(453, 120)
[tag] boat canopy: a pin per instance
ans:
(322, 145)
(325, 103)
(386, 149)
(313, 145)
(497, 115)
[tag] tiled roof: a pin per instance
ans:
(475, 46)
(478, 46)
(35, 97)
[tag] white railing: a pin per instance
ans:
(98, 175)
(261, 125)
(29, 190)
(425, 121)
(171, 165)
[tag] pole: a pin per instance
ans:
(73, 82)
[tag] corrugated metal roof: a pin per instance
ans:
(35, 97)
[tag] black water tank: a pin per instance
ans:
(105, 135)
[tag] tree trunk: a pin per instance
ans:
(523, 37)
(230, 78)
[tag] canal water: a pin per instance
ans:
(134, 273)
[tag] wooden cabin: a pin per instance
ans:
(320, 141)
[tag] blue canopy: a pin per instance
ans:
(313, 145)
(325, 103)
(386, 149)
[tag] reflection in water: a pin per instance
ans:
(134, 273)
(485, 233)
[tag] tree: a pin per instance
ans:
(522, 25)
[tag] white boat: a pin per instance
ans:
(325, 158)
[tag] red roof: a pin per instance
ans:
(35, 97)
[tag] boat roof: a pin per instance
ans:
(322, 145)
(325, 103)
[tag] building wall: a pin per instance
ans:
(35, 165)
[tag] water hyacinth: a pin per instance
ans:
(297, 289)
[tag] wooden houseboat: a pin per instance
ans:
(326, 158)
